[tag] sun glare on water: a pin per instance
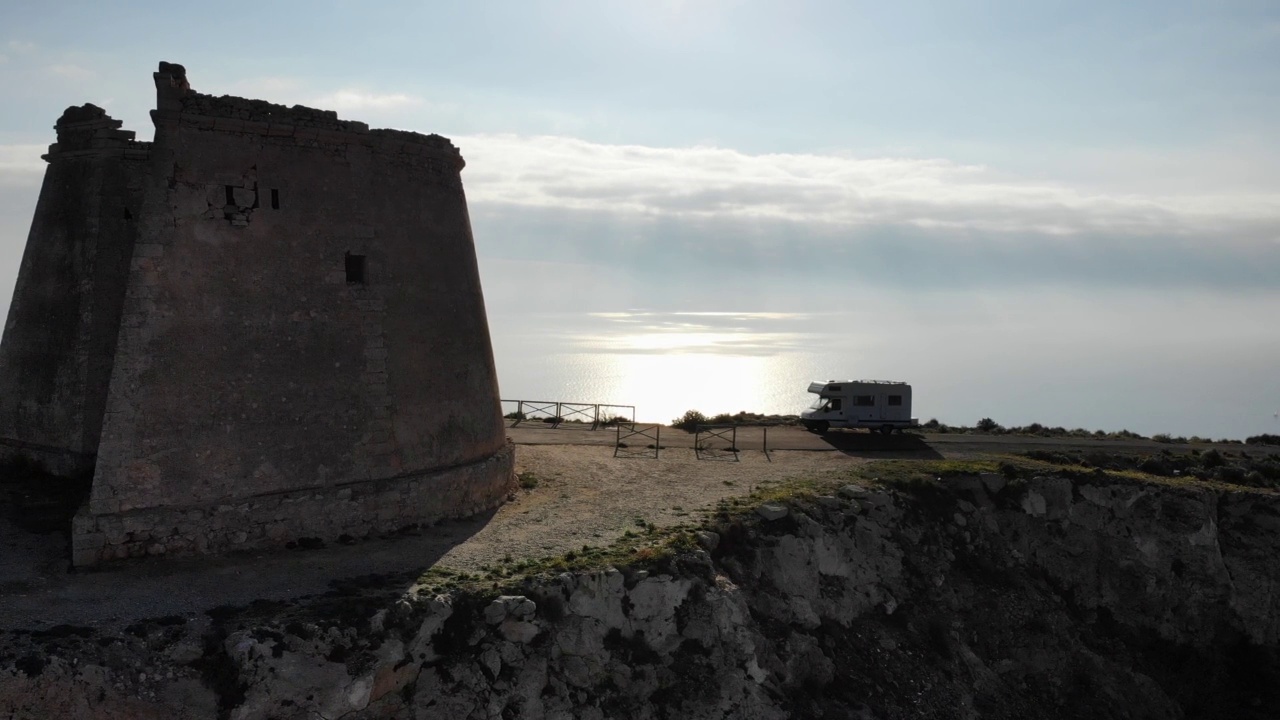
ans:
(669, 370)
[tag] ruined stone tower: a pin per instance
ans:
(265, 325)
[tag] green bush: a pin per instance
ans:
(1263, 439)
(690, 421)
(989, 425)
(1211, 459)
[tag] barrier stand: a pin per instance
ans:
(632, 435)
(583, 413)
(707, 434)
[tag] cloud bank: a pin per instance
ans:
(359, 100)
(708, 182)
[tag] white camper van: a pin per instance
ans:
(882, 405)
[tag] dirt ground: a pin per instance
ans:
(583, 496)
(578, 494)
(586, 496)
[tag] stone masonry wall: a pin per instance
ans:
(303, 314)
(59, 341)
(355, 510)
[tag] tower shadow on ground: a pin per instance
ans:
(35, 516)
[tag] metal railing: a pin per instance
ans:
(557, 412)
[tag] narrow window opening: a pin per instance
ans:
(355, 269)
(895, 399)
(231, 195)
(128, 215)
(275, 199)
(864, 400)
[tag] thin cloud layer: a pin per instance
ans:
(356, 100)
(71, 71)
(640, 332)
(355, 103)
(22, 163)
(708, 182)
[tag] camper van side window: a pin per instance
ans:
(835, 404)
(864, 400)
(895, 399)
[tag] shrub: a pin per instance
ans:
(1263, 439)
(1231, 474)
(1154, 466)
(1211, 459)
(988, 425)
(690, 421)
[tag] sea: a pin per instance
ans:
(1093, 375)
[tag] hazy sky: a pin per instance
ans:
(1063, 212)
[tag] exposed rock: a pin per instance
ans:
(1100, 598)
(771, 512)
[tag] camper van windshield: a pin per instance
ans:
(818, 404)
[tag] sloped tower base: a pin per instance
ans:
(287, 338)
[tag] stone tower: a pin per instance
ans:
(265, 325)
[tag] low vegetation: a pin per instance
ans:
(1212, 465)
(528, 480)
(690, 421)
(991, 427)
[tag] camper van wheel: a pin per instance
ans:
(886, 429)
(819, 426)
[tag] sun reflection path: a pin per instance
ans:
(663, 386)
(667, 363)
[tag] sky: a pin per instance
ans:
(1054, 212)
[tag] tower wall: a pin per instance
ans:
(303, 350)
(59, 339)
